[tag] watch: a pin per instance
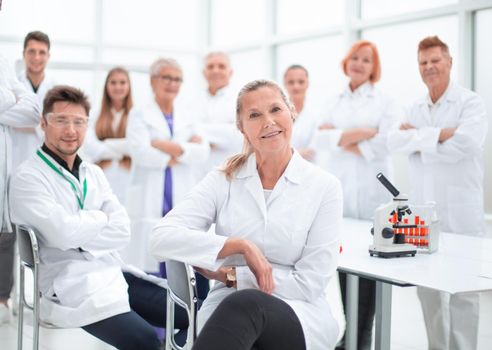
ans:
(231, 280)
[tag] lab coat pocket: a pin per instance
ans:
(465, 213)
(75, 284)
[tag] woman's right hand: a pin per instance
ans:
(260, 267)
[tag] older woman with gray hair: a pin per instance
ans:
(277, 229)
(163, 150)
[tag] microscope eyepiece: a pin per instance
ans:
(389, 186)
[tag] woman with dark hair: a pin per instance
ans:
(106, 145)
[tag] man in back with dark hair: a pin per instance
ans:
(36, 54)
(81, 226)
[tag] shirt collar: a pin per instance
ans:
(59, 160)
(220, 92)
(366, 89)
(449, 95)
(293, 172)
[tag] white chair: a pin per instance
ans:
(29, 258)
(181, 291)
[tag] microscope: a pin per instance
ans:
(400, 231)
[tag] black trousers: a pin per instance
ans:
(133, 330)
(366, 310)
(7, 242)
(252, 320)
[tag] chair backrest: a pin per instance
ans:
(181, 281)
(181, 291)
(28, 245)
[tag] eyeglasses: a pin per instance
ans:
(61, 120)
(168, 79)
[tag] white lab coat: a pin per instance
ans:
(145, 194)
(305, 127)
(216, 122)
(24, 142)
(18, 108)
(450, 174)
(297, 228)
(367, 106)
(80, 271)
(113, 149)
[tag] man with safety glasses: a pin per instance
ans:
(81, 226)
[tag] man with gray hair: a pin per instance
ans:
(214, 110)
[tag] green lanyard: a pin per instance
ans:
(74, 188)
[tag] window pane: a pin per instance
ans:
(238, 21)
(13, 53)
(75, 54)
(311, 15)
(82, 79)
(154, 23)
(397, 47)
(321, 57)
(385, 8)
(483, 85)
(61, 20)
(248, 66)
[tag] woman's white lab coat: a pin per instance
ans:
(297, 229)
(364, 107)
(145, 194)
(448, 173)
(305, 127)
(80, 271)
(113, 149)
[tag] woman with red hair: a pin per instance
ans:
(351, 144)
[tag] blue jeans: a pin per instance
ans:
(133, 330)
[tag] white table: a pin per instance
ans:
(462, 264)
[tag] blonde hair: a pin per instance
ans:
(237, 161)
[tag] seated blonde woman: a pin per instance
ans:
(276, 239)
